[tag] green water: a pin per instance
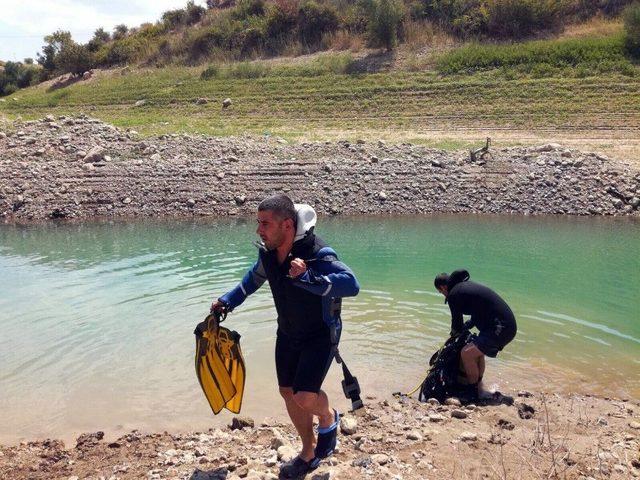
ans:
(96, 319)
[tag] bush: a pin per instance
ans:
(560, 54)
(385, 19)
(212, 71)
(280, 22)
(193, 12)
(522, 18)
(632, 29)
(174, 18)
(249, 8)
(314, 21)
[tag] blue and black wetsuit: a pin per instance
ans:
(308, 309)
(490, 314)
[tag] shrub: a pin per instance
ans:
(174, 18)
(247, 70)
(315, 20)
(280, 23)
(385, 19)
(249, 8)
(9, 89)
(193, 12)
(212, 71)
(632, 29)
(521, 18)
(560, 54)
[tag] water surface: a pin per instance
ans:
(96, 319)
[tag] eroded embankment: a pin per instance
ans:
(80, 167)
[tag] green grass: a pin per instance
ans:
(587, 56)
(289, 101)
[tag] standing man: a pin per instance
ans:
(307, 282)
(490, 314)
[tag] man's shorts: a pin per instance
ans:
(492, 341)
(303, 365)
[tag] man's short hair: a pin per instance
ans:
(441, 280)
(281, 205)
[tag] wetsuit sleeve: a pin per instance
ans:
(327, 276)
(252, 281)
(457, 324)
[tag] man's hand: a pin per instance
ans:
(297, 268)
(218, 307)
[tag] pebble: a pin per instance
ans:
(454, 402)
(634, 425)
(414, 435)
(461, 414)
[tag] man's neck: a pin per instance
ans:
(283, 250)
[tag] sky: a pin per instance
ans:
(24, 23)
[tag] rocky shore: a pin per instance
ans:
(64, 167)
(537, 436)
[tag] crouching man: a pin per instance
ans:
(490, 314)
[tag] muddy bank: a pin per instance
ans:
(80, 167)
(537, 436)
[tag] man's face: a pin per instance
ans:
(272, 230)
(443, 290)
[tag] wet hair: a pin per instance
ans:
(441, 280)
(281, 205)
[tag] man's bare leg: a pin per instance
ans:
(316, 404)
(471, 360)
(303, 421)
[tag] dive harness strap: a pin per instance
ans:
(350, 385)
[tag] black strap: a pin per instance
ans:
(350, 385)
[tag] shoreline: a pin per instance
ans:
(569, 436)
(81, 168)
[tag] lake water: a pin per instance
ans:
(96, 319)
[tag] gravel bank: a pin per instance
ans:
(81, 167)
(552, 436)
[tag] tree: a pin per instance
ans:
(53, 45)
(74, 58)
(120, 31)
(100, 37)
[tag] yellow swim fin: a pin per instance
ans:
(219, 365)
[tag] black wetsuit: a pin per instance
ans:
(490, 314)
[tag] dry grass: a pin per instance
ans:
(342, 40)
(420, 36)
(595, 27)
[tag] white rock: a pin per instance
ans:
(156, 157)
(286, 453)
(436, 417)
(468, 437)
(413, 435)
(348, 425)
(380, 458)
